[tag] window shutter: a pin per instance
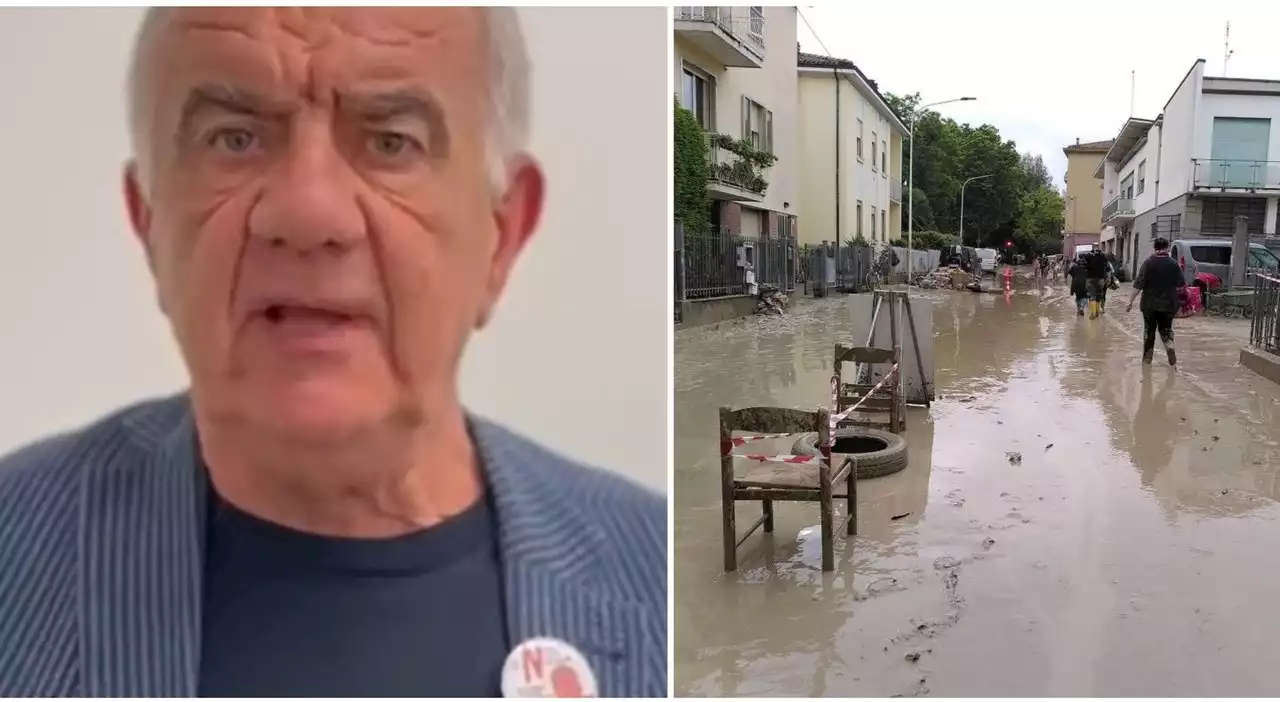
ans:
(746, 118)
(768, 131)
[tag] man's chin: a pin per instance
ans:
(320, 415)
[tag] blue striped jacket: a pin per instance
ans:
(101, 557)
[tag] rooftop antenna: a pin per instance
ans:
(1226, 50)
(1133, 84)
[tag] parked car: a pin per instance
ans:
(1213, 256)
(987, 261)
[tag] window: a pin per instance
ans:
(873, 221)
(884, 231)
(757, 125)
(698, 95)
(1263, 258)
(1218, 255)
(1142, 176)
(1126, 187)
(859, 140)
(859, 218)
(874, 140)
(884, 158)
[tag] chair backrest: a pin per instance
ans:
(772, 420)
(864, 354)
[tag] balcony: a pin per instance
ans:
(895, 190)
(737, 170)
(1118, 210)
(734, 36)
(1230, 175)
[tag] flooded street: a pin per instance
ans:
(1135, 550)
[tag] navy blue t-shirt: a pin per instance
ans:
(290, 614)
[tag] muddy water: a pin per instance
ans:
(1134, 551)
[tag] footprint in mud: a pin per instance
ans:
(945, 563)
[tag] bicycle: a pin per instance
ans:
(880, 269)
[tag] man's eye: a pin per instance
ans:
(234, 140)
(391, 144)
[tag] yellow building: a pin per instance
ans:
(851, 149)
(1082, 207)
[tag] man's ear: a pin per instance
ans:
(516, 216)
(135, 201)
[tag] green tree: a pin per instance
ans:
(692, 203)
(1013, 201)
(1039, 222)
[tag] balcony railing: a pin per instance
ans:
(895, 190)
(1118, 207)
(746, 24)
(1235, 174)
(729, 168)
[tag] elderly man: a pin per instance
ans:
(330, 201)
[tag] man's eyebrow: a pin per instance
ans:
(226, 98)
(394, 103)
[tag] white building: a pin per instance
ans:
(850, 145)
(1212, 155)
(735, 69)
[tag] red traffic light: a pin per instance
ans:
(1008, 244)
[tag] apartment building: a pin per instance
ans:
(1082, 206)
(850, 147)
(736, 71)
(1211, 155)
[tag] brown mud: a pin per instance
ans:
(1134, 549)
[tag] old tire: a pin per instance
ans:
(878, 452)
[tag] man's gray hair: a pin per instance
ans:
(509, 75)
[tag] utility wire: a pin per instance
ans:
(840, 70)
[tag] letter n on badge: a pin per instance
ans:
(546, 667)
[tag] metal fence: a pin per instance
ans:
(678, 272)
(839, 266)
(715, 264)
(1264, 334)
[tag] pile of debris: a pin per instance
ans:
(771, 300)
(945, 277)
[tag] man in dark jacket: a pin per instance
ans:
(1098, 271)
(1162, 287)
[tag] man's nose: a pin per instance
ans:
(309, 201)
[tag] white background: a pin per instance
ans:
(577, 357)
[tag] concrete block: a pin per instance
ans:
(1263, 363)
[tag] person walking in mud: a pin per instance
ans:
(1078, 275)
(1096, 280)
(1162, 287)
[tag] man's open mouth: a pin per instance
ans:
(281, 314)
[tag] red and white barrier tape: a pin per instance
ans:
(811, 460)
(737, 441)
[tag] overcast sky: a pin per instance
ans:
(1045, 73)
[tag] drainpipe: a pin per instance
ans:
(1159, 154)
(835, 73)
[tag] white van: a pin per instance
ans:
(987, 260)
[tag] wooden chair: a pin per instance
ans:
(888, 401)
(781, 480)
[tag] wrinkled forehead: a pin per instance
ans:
(298, 53)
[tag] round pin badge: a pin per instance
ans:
(547, 667)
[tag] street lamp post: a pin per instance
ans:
(962, 187)
(911, 175)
